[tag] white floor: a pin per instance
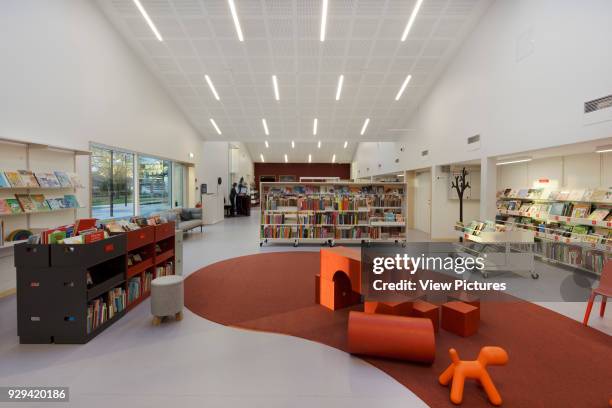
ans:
(199, 363)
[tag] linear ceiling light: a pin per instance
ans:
(339, 90)
(365, 126)
(334, 158)
(215, 125)
(413, 15)
(293, 144)
(145, 15)
(310, 158)
(265, 125)
(401, 90)
(515, 160)
(315, 124)
(212, 87)
(323, 20)
(261, 157)
(266, 142)
(345, 144)
(319, 144)
(603, 149)
(275, 84)
(235, 18)
(286, 159)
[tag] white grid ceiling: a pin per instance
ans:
(282, 38)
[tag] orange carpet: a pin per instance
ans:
(554, 361)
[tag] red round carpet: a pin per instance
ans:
(554, 361)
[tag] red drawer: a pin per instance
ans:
(140, 238)
(163, 231)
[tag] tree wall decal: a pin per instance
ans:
(460, 185)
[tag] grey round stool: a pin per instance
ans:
(167, 298)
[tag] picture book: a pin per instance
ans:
(578, 231)
(581, 210)
(523, 193)
(14, 178)
(599, 214)
(576, 195)
(4, 183)
(608, 197)
(588, 194)
(63, 178)
(27, 205)
(75, 180)
(4, 207)
(55, 203)
(553, 195)
(563, 195)
(47, 180)
(84, 224)
(598, 195)
(70, 201)
(525, 207)
(557, 208)
(14, 205)
(39, 202)
(28, 179)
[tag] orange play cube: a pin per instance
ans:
(337, 294)
(420, 308)
(390, 308)
(460, 318)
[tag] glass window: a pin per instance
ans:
(178, 184)
(112, 174)
(154, 185)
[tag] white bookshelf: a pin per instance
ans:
(365, 221)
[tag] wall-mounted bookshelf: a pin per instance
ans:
(332, 212)
(573, 227)
(71, 293)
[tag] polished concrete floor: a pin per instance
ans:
(200, 363)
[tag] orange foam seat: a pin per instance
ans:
(403, 338)
(427, 310)
(337, 294)
(460, 318)
(391, 308)
(341, 259)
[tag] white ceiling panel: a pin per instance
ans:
(281, 37)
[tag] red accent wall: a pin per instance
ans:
(342, 170)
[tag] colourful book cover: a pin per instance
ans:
(47, 180)
(14, 205)
(598, 196)
(14, 178)
(28, 179)
(599, 214)
(70, 201)
(63, 178)
(5, 208)
(4, 183)
(39, 202)
(27, 205)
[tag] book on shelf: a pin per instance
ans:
(558, 208)
(55, 203)
(578, 231)
(70, 201)
(4, 183)
(47, 180)
(581, 210)
(39, 202)
(14, 178)
(563, 195)
(576, 195)
(28, 179)
(598, 196)
(63, 179)
(14, 205)
(553, 195)
(5, 209)
(26, 203)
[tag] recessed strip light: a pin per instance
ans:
(603, 149)
(365, 126)
(265, 125)
(345, 144)
(286, 159)
(512, 161)
(413, 15)
(400, 175)
(310, 158)
(334, 158)
(215, 125)
(319, 144)
(401, 91)
(261, 157)
(293, 144)
(235, 18)
(212, 87)
(323, 20)
(266, 142)
(275, 84)
(339, 89)
(145, 15)
(315, 124)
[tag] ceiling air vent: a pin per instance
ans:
(424, 153)
(598, 110)
(473, 139)
(473, 142)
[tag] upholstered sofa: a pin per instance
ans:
(186, 219)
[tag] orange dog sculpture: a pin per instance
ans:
(459, 370)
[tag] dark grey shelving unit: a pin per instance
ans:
(52, 292)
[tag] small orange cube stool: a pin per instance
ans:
(390, 308)
(460, 318)
(427, 310)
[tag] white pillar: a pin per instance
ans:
(488, 188)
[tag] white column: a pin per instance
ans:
(488, 188)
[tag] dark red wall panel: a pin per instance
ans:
(342, 170)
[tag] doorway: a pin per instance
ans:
(422, 201)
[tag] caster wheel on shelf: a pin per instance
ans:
(332, 244)
(261, 244)
(295, 244)
(535, 275)
(403, 245)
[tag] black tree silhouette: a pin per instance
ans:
(460, 185)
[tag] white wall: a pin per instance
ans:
(516, 101)
(67, 78)
(215, 164)
(241, 163)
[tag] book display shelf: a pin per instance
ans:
(71, 293)
(573, 227)
(332, 212)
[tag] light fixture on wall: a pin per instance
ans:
(512, 160)
(603, 149)
(145, 15)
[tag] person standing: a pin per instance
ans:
(233, 194)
